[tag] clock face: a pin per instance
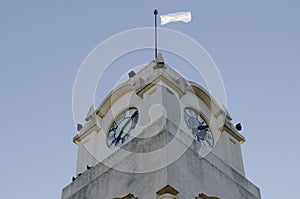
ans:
(121, 127)
(198, 127)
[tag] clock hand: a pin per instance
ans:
(134, 114)
(119, 137)
(128, 121)
(202, 127)
(131, 118)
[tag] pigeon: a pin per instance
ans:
(238, 126)
(131, 74)
(79, 127)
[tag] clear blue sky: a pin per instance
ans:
(255, 45)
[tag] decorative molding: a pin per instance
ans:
(231, 130)
(167, 196)
(143, 85)
(203, 196)
(90, 126)
(167, 192)
(129, 196)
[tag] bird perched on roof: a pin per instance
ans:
(73, 179)
(79, 127)
(238, 126)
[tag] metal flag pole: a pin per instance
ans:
(155, 25)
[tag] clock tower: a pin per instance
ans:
(159, 136)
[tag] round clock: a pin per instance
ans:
(121, 127)
(198, 127)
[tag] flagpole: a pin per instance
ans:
(155, 31)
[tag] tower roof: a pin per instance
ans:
(155, 71)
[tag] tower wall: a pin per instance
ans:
(189, 174)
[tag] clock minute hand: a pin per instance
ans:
(131, 117)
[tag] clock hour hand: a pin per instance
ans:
(118, 138)
(130, 119)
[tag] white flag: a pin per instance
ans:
(173, 17)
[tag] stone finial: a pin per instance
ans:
(90, 113)
(160, 63)
(160, 59)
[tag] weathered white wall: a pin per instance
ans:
(189, 175)
(160, 100)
